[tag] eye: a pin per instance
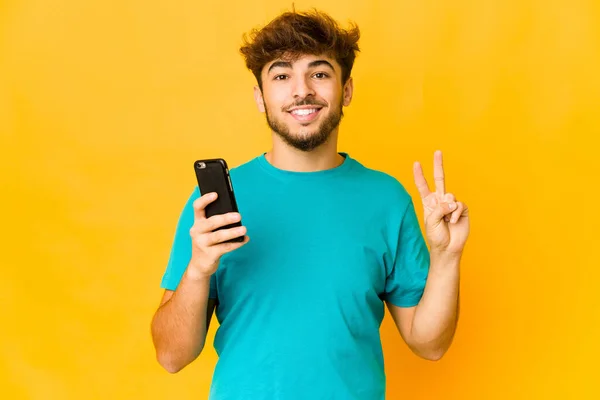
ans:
(321, 75)
(279, 77)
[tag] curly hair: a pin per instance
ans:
(292, 35)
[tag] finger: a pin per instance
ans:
(219, 221)
(448, 198)
(465, 211)
(201, 203)
(442, 210)
(223, 235)
(420, 180)
(438, 173)
(227, 247)
(456, 214)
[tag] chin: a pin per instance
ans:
(304, 133)
(305, 136)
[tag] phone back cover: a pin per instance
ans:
(214, 178)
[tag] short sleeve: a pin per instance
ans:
(406, 281)
(181, 249)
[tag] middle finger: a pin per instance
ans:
(220, 220)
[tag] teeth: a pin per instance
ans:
(305, 111)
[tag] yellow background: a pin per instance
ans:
(105, 104)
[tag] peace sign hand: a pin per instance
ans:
(446, 220)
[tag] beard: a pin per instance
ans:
(307, 139)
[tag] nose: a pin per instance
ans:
(302, 87)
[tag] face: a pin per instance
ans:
(303, 99)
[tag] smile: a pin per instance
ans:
(305, 114)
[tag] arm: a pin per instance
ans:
(181, 322)
(428, 328)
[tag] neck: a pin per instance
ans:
(285, 157)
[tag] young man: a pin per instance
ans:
(301, 303)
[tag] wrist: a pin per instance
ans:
(444, 257)
(197, 274)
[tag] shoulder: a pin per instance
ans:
(383, 185)
(245, 169)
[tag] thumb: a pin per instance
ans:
(441, 210)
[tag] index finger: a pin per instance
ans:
(438, 173)
(201, 203)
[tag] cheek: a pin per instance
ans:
(275, 101)
(333, 96)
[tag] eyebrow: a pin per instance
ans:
(312, 64)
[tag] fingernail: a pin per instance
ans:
(451, 206)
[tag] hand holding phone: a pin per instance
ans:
(217, 225)
(213, 176)
(210, 239)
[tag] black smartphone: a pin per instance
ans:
(213, 176)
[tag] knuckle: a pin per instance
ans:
(208, 225)
(218, 236)
(223, 221)
(214, 222)
(228, 234)
(224, 234)
(195, 231)
(227, 219)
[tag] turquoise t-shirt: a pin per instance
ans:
(300, 305)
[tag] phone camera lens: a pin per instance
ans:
(201, 165)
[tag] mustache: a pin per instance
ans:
(304, 102)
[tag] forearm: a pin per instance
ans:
(436, 316)
(179, 326)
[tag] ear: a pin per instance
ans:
(258, 97)
(348, 90)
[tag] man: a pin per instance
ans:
(301, 303)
